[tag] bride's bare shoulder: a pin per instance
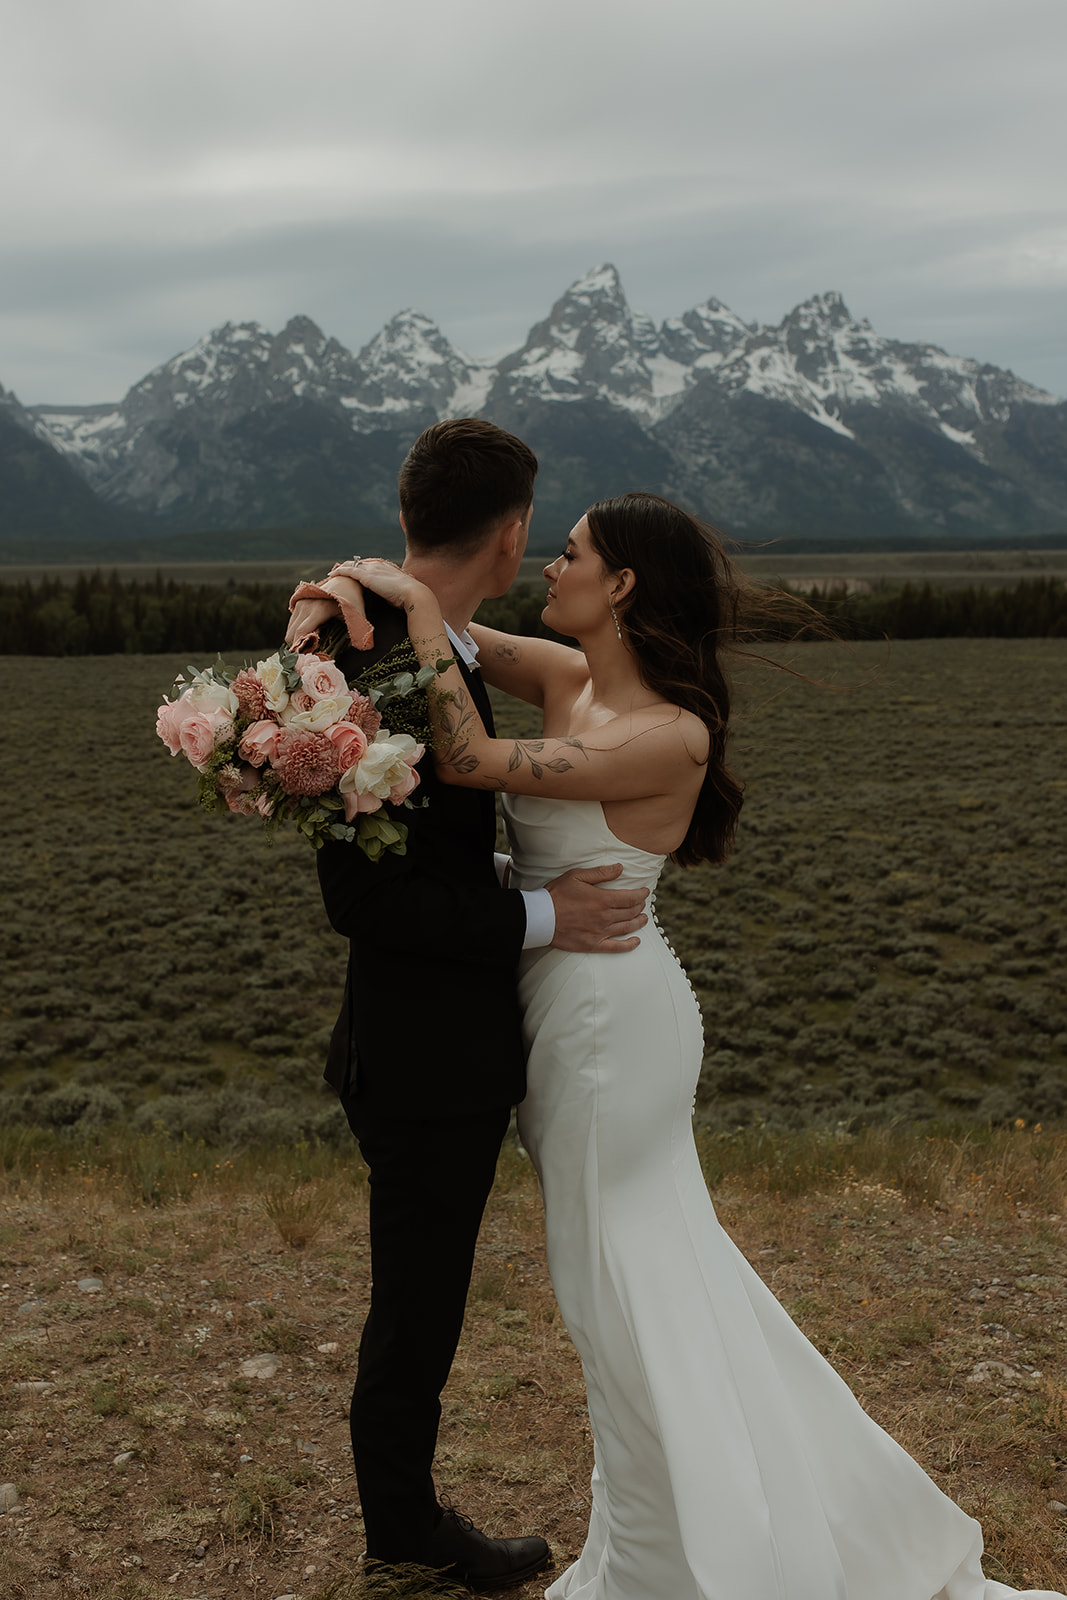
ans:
(680, 726)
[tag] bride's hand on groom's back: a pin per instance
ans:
(590, 918)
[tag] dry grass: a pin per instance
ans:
(299, 1210)
(930, 1269)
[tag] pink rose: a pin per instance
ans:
(199, 733)
(169, 719)
(355, 803)
(350, 742)
(320, 678)
(259, 743)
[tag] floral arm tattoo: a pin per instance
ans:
(458, 725)
(460, 738)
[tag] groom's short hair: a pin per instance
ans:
(460, 480)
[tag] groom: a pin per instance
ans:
(427, 1054)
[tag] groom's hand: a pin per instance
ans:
(589, 918)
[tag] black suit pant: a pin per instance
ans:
(429, 1182)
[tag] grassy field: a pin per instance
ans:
(886, 942)
(175, 1375)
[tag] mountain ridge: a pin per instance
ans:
(808, 425)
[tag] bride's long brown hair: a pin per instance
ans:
(688, 607)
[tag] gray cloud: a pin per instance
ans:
(186, 165)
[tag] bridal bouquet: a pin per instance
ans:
(290, 740)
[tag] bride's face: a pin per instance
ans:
(578, 587)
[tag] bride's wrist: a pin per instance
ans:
(424, 614)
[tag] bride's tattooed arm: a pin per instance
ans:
(458, 727)
(629, 755)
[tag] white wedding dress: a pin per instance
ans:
(731, 1461)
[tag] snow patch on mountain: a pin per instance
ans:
(80, 432)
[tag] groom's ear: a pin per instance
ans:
(511, 534)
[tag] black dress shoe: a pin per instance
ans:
(464, 1552)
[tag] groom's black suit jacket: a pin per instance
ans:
(430, 1025)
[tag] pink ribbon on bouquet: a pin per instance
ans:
(314, 604)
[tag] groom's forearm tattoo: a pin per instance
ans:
(457, 722)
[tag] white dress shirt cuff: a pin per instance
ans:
(540, 919)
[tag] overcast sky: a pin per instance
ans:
(170, 165)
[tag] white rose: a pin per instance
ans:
(320, 715)
(205, 694)
(385, 766)
(270, 676)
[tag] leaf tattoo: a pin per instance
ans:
(528, 749)
(458, 727)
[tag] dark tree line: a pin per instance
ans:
(1036, 608)
(98, 615)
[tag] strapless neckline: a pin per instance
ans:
(548, 836)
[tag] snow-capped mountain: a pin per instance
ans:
(411, 367)
(816, 424)
(820, 359)
(208, 412)
(591, 346)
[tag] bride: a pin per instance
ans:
(731, 1461)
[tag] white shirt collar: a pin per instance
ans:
(464, 646)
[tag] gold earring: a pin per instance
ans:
(615, 617)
